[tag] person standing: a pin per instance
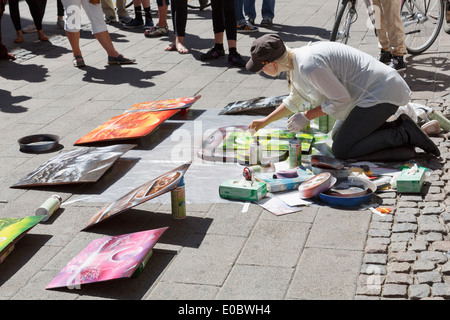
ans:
(391, 33)
(267, 12)
(110, 12)
(4, 54)
(224, 21)
(37, 8)
(179, 10)
(72, 27)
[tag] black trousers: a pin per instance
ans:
(366, 131)
(224, 18)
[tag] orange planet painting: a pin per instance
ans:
(138, 121)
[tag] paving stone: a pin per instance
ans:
(432, 227)
(398, 246)
(373, 269)
(445, 269)
(375, 258)
(429, 277)
(406, 217)
(408, 256)
(375, 248)
(399, 278)
(404, 227)
(395, 291)
(423, 265)
(399, 267)
(440, 246)
(434, 256)
(419, 291)
(441, 290)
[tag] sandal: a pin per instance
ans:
(120, 59)
(78, 61)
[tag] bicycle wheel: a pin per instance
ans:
(345, 16)
(446, 23)
(198, 4)
(422, 20)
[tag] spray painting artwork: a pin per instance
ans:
(147, 191)
(76, 166)
(138, 121)
(108, 258)
(12, 230)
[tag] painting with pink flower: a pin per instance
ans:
(107, 258)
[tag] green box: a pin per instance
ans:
(411, 183)
(242, 190)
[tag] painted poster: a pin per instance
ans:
(138, 121)
(147, 191)
(12, 230)
(221, 145)
(81, 165)
(107, 258)
(253, 105)
(163, 105)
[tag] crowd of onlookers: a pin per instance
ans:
(228, 18)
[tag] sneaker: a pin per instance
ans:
(236, 60)
(397, 63)
(266, 22)
(134, 23)
(384, 56)
(246, 27)
(157, 31)
(60, 23)
(30, 28)
(110, 19)
(125, 19)
(212, 54)
(251, 21)
(148, 24)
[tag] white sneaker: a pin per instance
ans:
(29, 29)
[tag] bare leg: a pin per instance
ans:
(105, 41)
(74, 40)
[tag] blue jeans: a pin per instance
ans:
(240, 18)
(267, 10)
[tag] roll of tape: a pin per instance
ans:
(317, 184)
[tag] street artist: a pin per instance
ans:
(361, 93)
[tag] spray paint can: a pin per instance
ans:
(441, 119)
(49, 207)
(295, 153)
(178, 199)
(255, 152)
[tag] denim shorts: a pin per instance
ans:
(160, 2)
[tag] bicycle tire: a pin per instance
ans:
(199, 4)
(337, 34)
(421, 31)
(446, 22)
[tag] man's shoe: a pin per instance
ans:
(384, 56)
(148, 24)
(397, 63)
(266, 22)
(110, 19)
(134, 23)
(125, 19)
(417, 137)
(246, 27)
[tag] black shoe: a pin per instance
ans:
(235, 59)
(212, 54)
(397, 63)
(417, 137)
(384, 56)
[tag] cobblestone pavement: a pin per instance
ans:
(218, 252)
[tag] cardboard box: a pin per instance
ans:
(243, 190)
(408, 182)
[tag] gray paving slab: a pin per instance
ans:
(220, 251)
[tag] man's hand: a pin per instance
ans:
(297, 122)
